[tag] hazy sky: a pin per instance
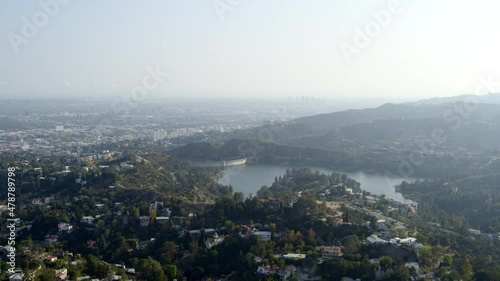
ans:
(255, 47)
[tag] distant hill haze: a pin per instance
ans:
(450, 137)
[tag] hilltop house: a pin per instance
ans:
(286, 272)
(263, 235)
(87, 220)
(144, 244)
(211, 242)
(65, 227)
(330, 252)
(374, 239)
(267, 269)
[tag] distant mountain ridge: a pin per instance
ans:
(335, 120)
(375, 139)
(493, 98)
(431, 108)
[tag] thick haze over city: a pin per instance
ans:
(250, 140)
(409, 50)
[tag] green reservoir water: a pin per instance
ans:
(250, 178)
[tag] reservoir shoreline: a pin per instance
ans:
(248, 179)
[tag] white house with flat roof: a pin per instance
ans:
(87, 220)
(263, 235)
(294, 256)
(374, 239)
(65, 227)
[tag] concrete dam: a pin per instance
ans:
(219, 164)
